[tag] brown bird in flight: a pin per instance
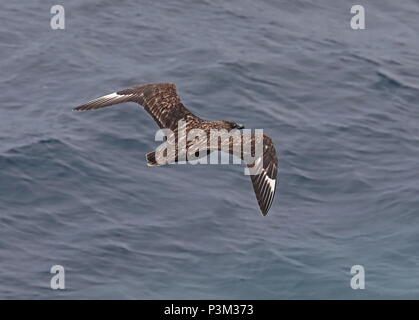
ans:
(163, 103)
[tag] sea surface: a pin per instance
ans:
(341, 105)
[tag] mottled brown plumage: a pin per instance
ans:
(163, 103)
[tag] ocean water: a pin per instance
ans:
(342, 107)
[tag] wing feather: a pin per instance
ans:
(160, 100)
(264, 181)
(263, 169)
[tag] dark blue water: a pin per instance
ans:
(342, 107)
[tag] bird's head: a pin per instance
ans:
(230, 125)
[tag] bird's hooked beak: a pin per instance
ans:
(240, 126)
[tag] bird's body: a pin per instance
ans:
(162, 102)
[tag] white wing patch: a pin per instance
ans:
(271, 182)
(264, 185)
(112, 96)
(108, 97)
(105, 101)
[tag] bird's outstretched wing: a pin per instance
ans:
(160, 100)
(263, 169)
(264, 182)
